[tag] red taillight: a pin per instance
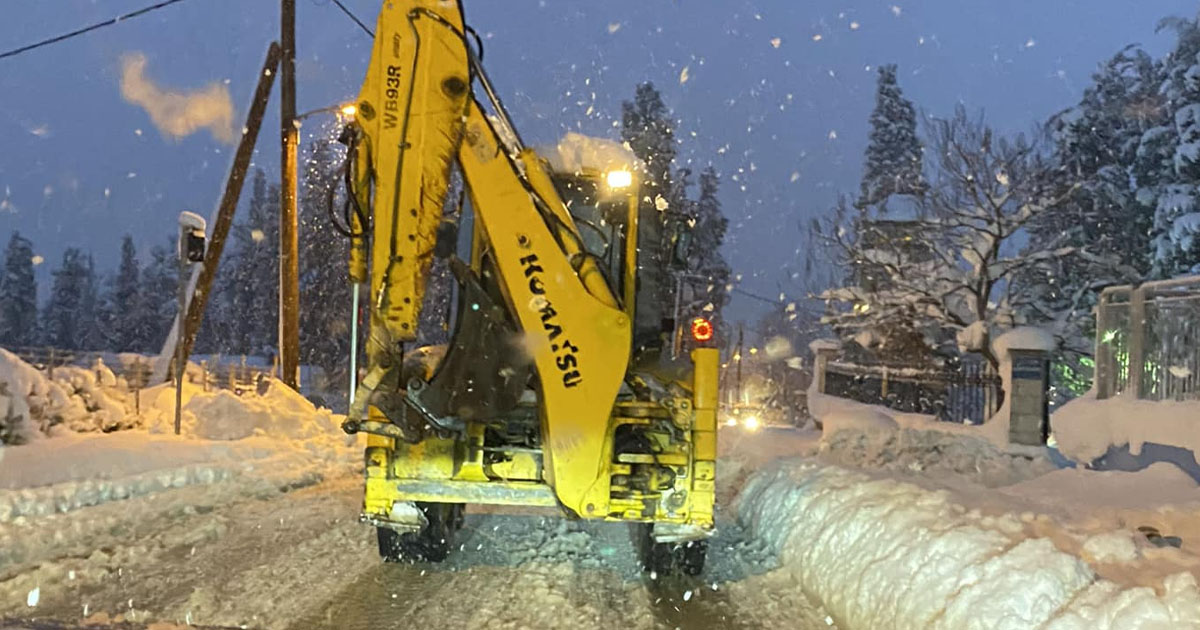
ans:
(702, 329)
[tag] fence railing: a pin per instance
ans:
(967, 393)
(1148, 340)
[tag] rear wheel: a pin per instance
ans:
(670, 558)
(431, 544)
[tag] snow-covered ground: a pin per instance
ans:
(883, 520)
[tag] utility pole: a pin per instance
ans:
(289, 263)
(229, 201)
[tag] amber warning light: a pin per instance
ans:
(702, 329)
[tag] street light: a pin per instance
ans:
(343, 110)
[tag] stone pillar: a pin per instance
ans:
(1024, 355)
(824, 351)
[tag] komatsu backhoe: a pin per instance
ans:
(539, 398)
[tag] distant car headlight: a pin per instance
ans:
(731, 422)
(750, 422)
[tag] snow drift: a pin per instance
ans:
(880, 553)
(1085, 428)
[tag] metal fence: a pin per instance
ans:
(969, 392)
(1148, 340)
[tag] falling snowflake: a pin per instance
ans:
(818, 37)
(896, 10)
(660, 203)
(776, 42)
(683, 75)
(614, 27)
(37, 260)
(1030, 43)
(854, 26)
(257, 235)
(832, 134)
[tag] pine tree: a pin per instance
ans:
(893, 168)
(123, 301)
(648, 129)
(18, 294)
(94, 334)
(254, 273)
(1170, 170)
(894, 154)
(708, 234)
(160, 299)
(1096, 146)
(65, 323)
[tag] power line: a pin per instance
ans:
(351, 15)
(86, 29)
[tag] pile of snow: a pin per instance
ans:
(881, 553)
(281, 413)
(1086, 428)
(78, 399)
(858, 435)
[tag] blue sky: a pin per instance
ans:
(777, 94)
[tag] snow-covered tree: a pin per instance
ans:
(1096, 145)
(1171, 158)
(704, 260)
(254, 271)
(649, 130)
(894, 154)
(65, 322)
(878, 226)
(983, 192)
(18, 294)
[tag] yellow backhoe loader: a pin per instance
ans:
(539, 398)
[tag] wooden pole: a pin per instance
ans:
(229, 200)
(289, 270)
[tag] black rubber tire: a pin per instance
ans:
(431, 544)
(671, 558)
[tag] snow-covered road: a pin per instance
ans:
(260, 557)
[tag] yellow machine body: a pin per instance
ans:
(602, 448)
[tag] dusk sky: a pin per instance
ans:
(776, 95)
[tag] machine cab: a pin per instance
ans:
(604, 205)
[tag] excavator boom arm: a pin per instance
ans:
(416, 116)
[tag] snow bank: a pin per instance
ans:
(1085, 428)
(31, 404)
(874, 437)
(879, 553)
(279, 436)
